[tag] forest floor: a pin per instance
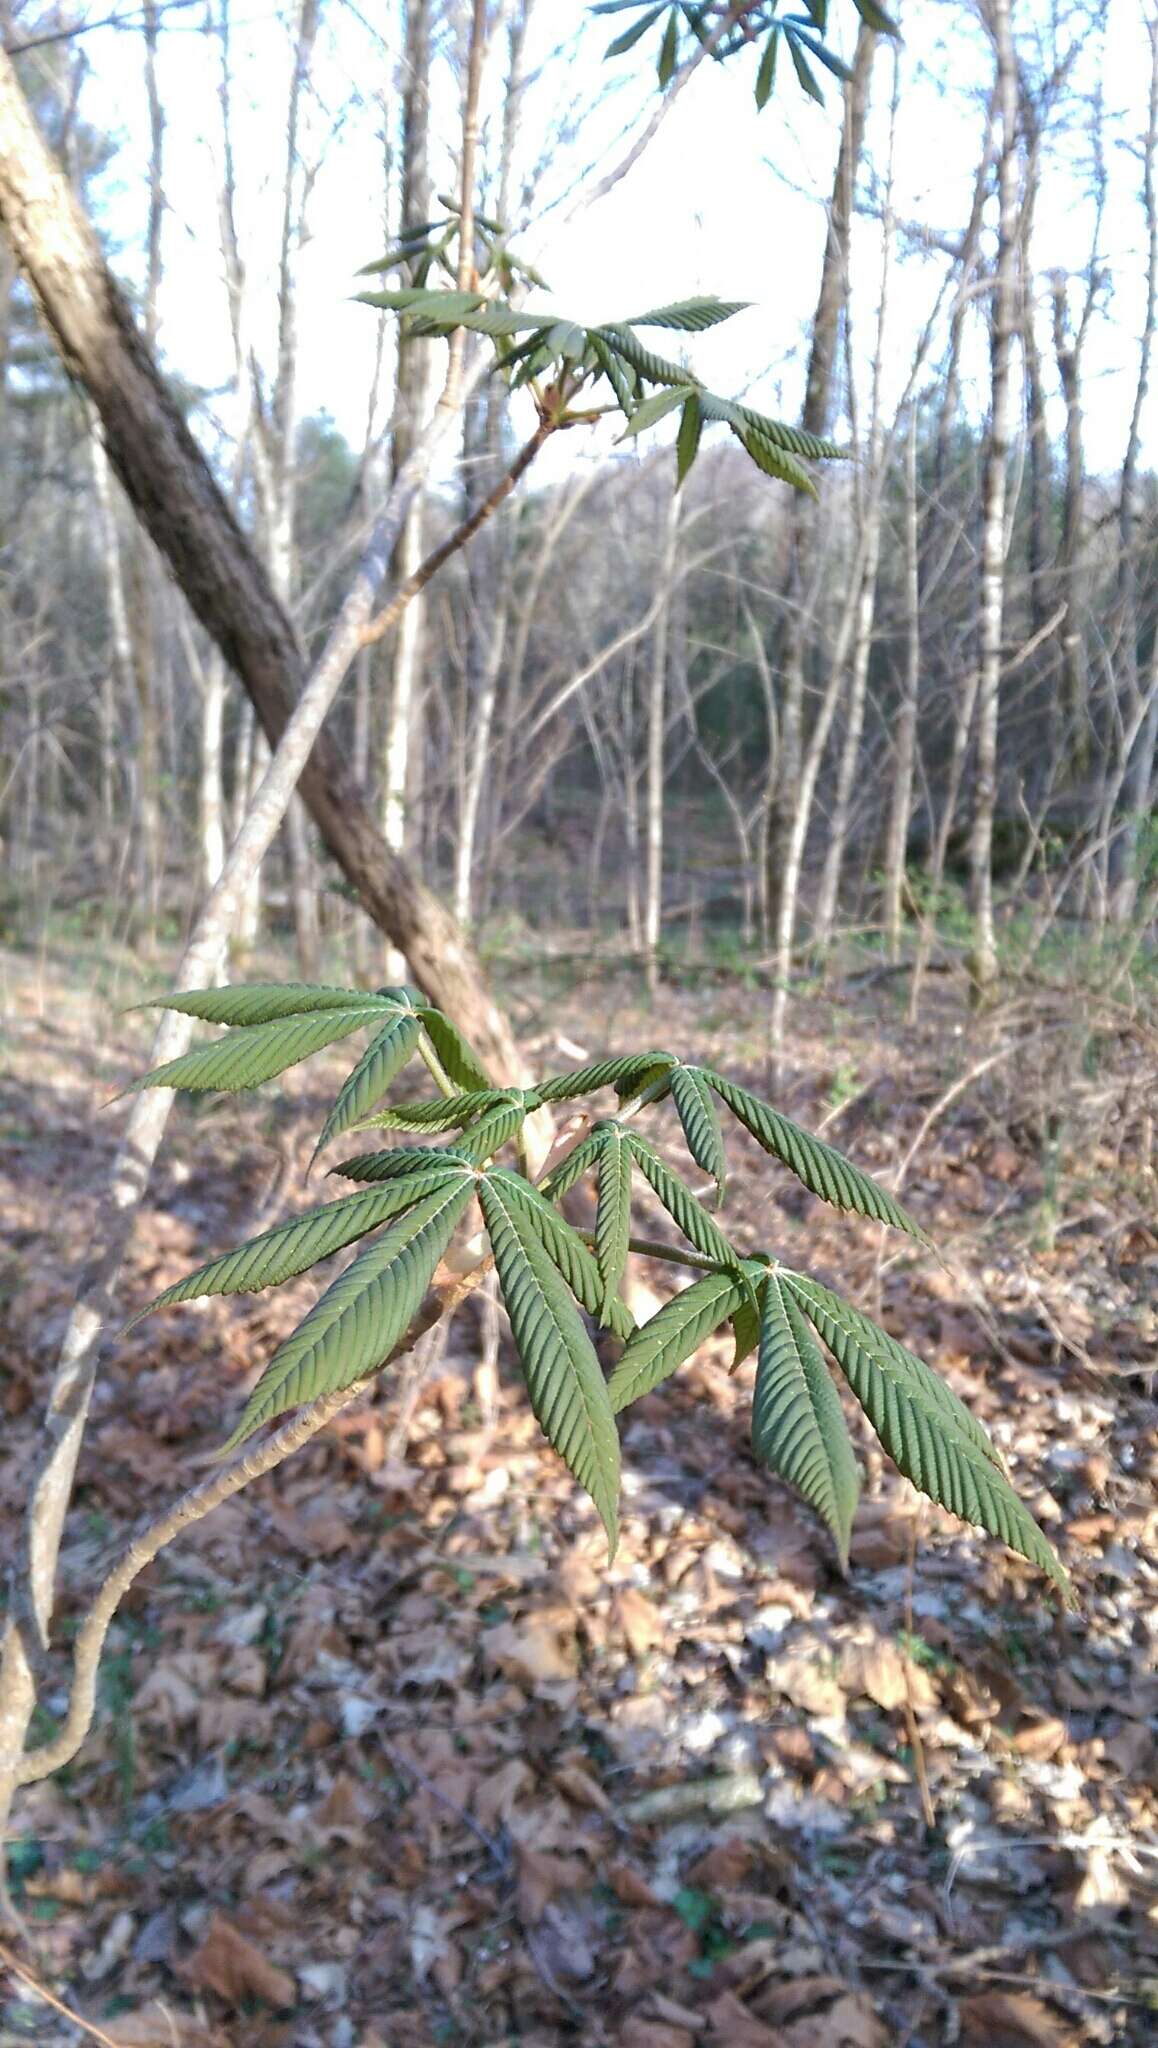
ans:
(388, 1757)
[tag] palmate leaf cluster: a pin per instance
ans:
(559, 1284)
(563, 360)
(684, 25)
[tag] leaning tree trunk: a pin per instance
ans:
(177, 499)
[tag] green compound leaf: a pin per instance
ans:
(918, 1420)
(253, 1053)
(701, 1125)
(393, 1165)
(579, 1161)
(661, 1344)
(669, 50)
(822, 1169)
(365, 1085)
(264, 1002)
(613, 1213)
(683, 1208)
(460, 1060)
(564, 1378)
(766, 76)
(775, 462)
(291, 1247)
(620, 1073)
(842, 1325)
(631, 36)
(652, 410)
(746, 1322)
(690, 316)
(798, 1425)
(492, 1131)
(441, 1113)
(354, 1327)
(655, 368)
(688, 438)
(566, 1249)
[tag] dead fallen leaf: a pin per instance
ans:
(637, 1620)
(226, 1962)
(733, 2024)
(541, 1877)
(534, 1651)
(1010, 2019)
(639, 2033)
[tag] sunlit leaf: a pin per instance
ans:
(821, 1167)
(354, 1327)
(926, 1438)
(291, 1247)
(671, 1335)
(564, 1378)
(798, 1425)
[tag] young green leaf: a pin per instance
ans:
(653, 410)
(922, 1439)
(669, 50)
(618, 1073)
(291, 1247)
(690, 316)
(564, 1378)
(441, 1113)
(688, 438)
(354, 1327)
(655, 368)
(875, 17)
(766, 75)
(800, 65)
(661, 1344)
(459, 1058)
(494, 1130)
(775, 462)
(566, 1250)
(613, 1213)
(395, 1164)
(701, 1125)
(573, 1166)
(845, 1329)
(685, 1211)
(822, 1169)
(746, 1323)
(366, 1084)
(253, 1053)
(631, 36)
(266, 1002)
(798, 1425)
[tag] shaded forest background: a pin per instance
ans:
(812, 684)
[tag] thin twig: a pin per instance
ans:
(465, 531)
(95, 2033)
(915, 1743)
(192, 1507)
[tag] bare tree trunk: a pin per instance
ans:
(815, 419)
(871, 513)
(983, 961)
(1122, 866)
(117, 680)
(410, 402)
(277, 431)
(905, 728)
(1068, 353)
(177, 499)
(656, 728)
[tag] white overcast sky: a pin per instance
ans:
(725, 199)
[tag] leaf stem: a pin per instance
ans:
(673, 1255)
